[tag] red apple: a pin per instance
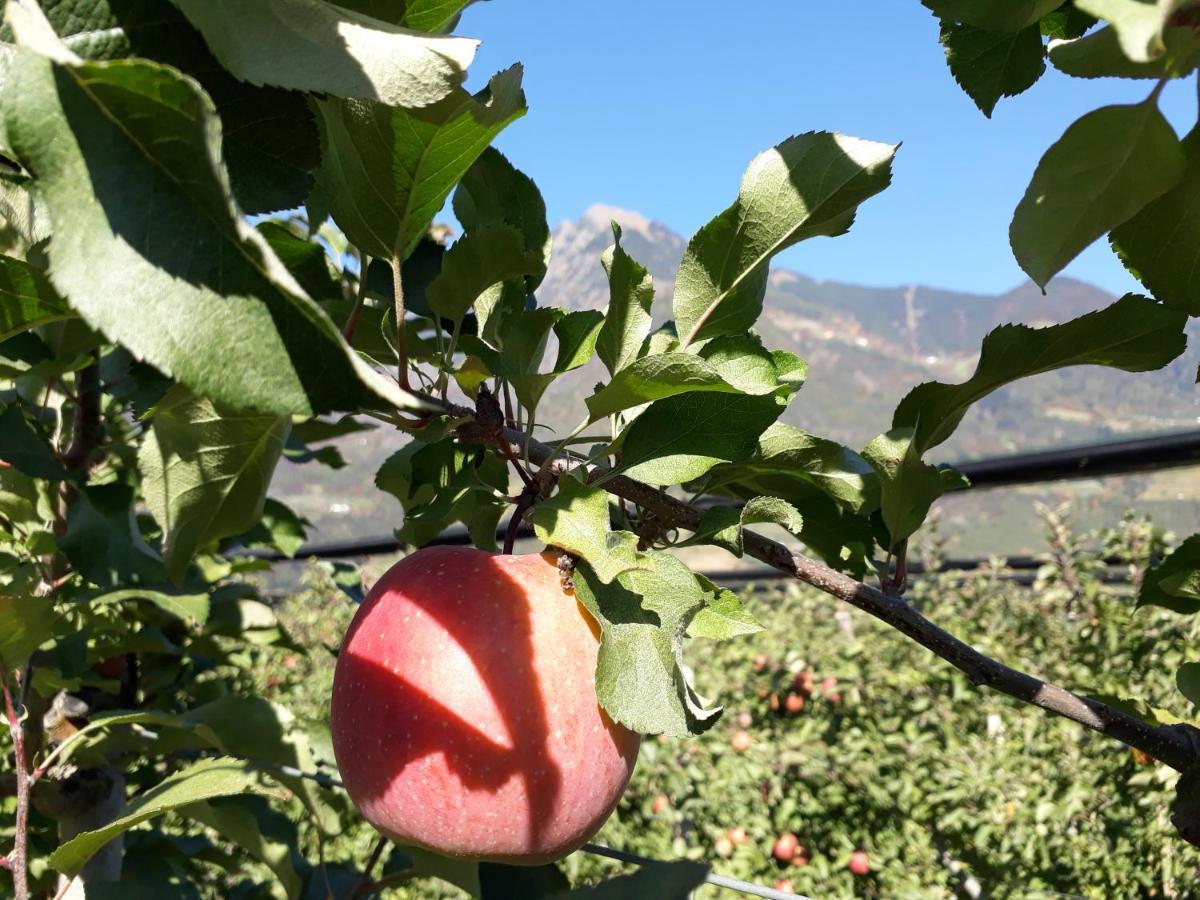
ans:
(738, 836)
(723, 846)
(760, 662)
(661, 802)
(745, 720)
(785, 847)
(741, 741)
(803, 683)
(835, 697)
(794, 703)
(464, 712)
(860, 863)
(828, 683)
(785, 886)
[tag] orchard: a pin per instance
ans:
(224, 246)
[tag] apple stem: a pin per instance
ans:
(526, 499)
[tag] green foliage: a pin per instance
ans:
(989, 65)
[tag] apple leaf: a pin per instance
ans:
(989, 65)
(628, 318)
(494, 192)
(681, 438)
(643, 616)
(1099, 55)
(190, 608)
(1161, 244)
(386, 172)
(993, 15)
(1174, 583)
(675, 880)
(1139, 24)
(201, 780)
(27, 299)
(1187, 679)
(1107, 165)
(1134, 334)
(211, 307)
(576, 520)
(479, 259)
(908, 486)
(809, 185)
(309, 45)
(23, 445)
(265, 833)
(723, 525)
(722, 617)
(279, 528)
(25, 622)
(205, 472)
(102, 540)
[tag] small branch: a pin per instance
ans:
(367, 882)
(89, 428)
(1176, 745)
(17, 862)
(351, 325)
(401, 346)
(527, 498)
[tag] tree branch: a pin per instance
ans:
(1176, 745)
(17, 861)
(89, 428)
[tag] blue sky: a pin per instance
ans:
(658, 105)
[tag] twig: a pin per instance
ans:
(367, 883)
(733, 884)
(17, 859)
(1176, 745)
(88, 430)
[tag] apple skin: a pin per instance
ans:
(464, 711)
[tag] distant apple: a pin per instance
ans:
(860, 863)
(828, 683)
(741, 741)
(745, 720)
(661, 802)
(803, 682)
(738, 836)
(464, 712)
(723, 847)
(760, 662)
(784, 885)
(794, 703)
(785, 847)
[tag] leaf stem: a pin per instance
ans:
(364, 262)
(17, 859)
(401, 346)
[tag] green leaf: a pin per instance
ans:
(25, 622)
(908, 486)
(723, 525)
(628, 319)
(500, 882)
(576, 519)
(989, 65)
(280, 528)
(1066, 23)
(1099, 55)
(205, 472)
(102, 540)
(433, 15)
(1187, 679)
(1108, 165)
(478, 260)
(212, 306)
(271, 136)
(1161, 244)
(577, 333)
(723, 617)
(786, 454)
(1139, 23)
(643, 616)
(27, 299)
(25, 447)
(309, 45)
(653, 881)
(191, 608)
(993, 15)
(1175, 582)
(201, 780)
(809, 185)
(1134, 334)
(681, 438)
(314, 431)
(306, 260)
(386, 172)
(494, 192)
(264, 833)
